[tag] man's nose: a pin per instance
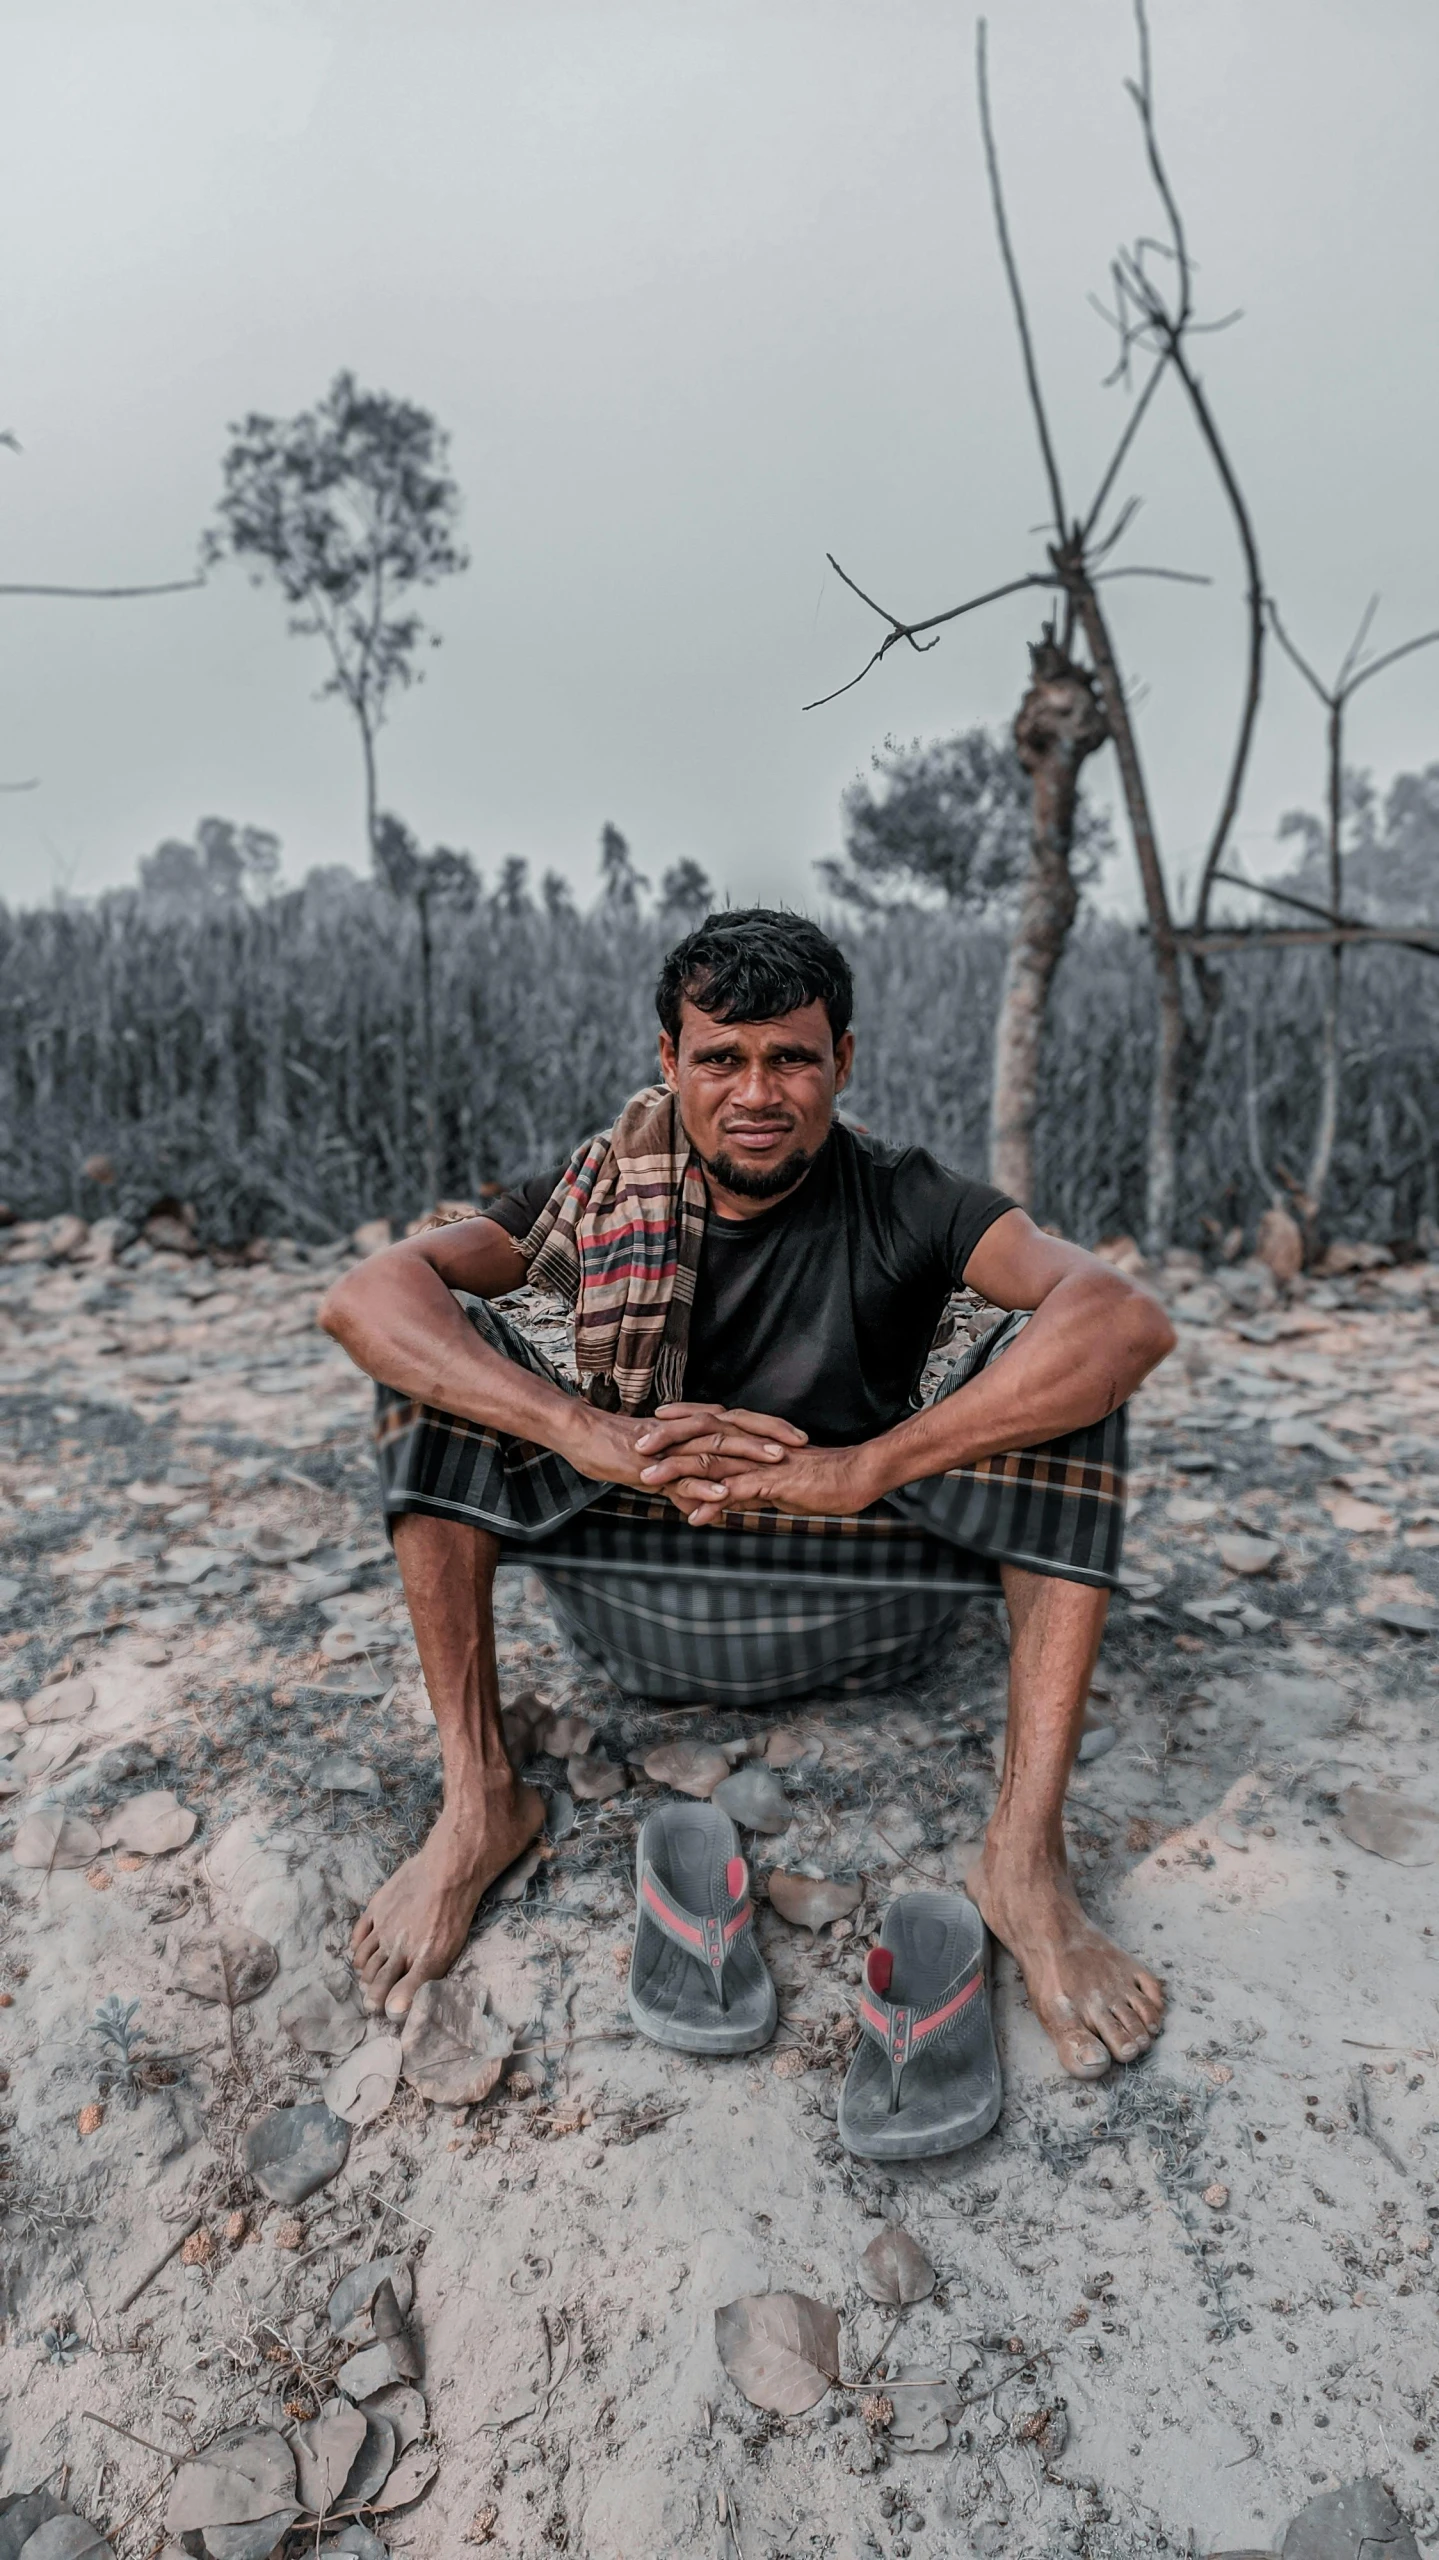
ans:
(758, 1088)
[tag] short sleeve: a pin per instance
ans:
(943, 1215)
(517, 1210)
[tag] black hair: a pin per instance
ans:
(750, 964)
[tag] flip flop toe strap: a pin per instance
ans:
(709, 1936)
(902, 2032)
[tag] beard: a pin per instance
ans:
(747, 1184)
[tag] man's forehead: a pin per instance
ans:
(809, 1023)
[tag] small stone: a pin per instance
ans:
(236, 2226)
(1216, 2197)
(199, 2249)
(89, 2119)
(1240, 1553)
(288, 2232)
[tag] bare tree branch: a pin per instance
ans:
(1121, 450)
(906, 630)
(1021, 316)
(172, 587)
(1425, 640)
(1330, 915)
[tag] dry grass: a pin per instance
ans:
(265, 1061)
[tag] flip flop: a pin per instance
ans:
(925, 2075)
(698, 1982)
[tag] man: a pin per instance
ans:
(748, 1497)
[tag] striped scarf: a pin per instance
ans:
(619, 1238)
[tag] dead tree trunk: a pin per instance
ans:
(1059, 723)
(1161, 1148)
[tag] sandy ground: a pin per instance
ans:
(1171, 2308)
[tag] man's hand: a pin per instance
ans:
(715, 1461)
(682, 1450)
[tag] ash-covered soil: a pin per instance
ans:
(1170, 2309)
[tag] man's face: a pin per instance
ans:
(756, 1098)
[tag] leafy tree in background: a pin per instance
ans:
(686, 893)
(347, 508)
(219, 868)
(947, 818)
(1391, 849)
(621, 884)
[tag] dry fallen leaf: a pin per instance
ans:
(411, 2475)
(1390, 1826)
(247, 2474)
(345, 1773)
(691, 1768)
(319, 2023)
(46, 1751)
(51, 1840)
(361, 2086)
(523, 1720)
(404, 2408)
(510, 1886)
(785, 1747)
(1361, 1519)
(923, 2408)
(227, 1965)
(566, 1737)
(352, 2302)
(811, 1902)
(280, 1546)
(592, 1777)
(67, 2537)
(453, 2049)
(782, 2349)
(755, 1798)
(372, 2464)
(894, 2268)
(324, 2451)
(149, 1824)
(61, 1702)
(1241, 1553)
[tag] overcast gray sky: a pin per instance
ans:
(700, 291)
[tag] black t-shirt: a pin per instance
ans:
(822, 1309)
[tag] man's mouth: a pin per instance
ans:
(757, 1140)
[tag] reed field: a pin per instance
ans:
(266, 1060)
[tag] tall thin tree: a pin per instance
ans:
(347, 508)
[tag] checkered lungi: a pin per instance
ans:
(767, 1604)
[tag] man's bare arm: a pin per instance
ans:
(1092, 1338)
(396, 1316)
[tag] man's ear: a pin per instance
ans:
(669, 1062)
(843, 1060)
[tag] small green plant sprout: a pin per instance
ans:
(121, 2040)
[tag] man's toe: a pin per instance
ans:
(1083, 2056)
(398, 2000)
(380, 1981)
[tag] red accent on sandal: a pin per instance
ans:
(879, 1969)
(736, 1876)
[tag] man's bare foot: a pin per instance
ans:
(418, 1921)
(1097, 2003)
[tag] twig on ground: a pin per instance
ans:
(1364, 2121)
(172, 2250)
(116, 2429)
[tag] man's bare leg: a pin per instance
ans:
(417, 1923)
(1096, 2002)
